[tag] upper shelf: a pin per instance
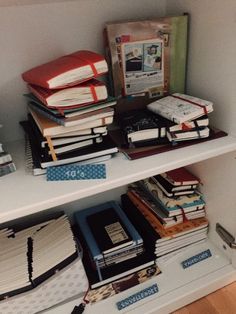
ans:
(23, 194)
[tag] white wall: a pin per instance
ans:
(212, 55)
(31, 34)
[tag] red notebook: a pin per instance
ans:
(180, 176)
(67, 70)
(85, 93)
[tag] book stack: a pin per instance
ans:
(6, 163)
(173, 207)
(189, 116)
(69, 110)
(174, 118)
(31, 257)
(114, 250)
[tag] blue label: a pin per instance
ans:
(137, 297)
(76, 172)
(196, 259)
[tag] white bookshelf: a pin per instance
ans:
(40, 30)
(32, 194)
(177, 286)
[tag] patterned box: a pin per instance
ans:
(70, 282)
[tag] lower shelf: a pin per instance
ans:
(177, 286)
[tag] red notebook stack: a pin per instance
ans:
(66, 90)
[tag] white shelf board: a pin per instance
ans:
(23, 194)
(177, 287)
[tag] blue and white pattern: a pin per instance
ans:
(76, 172)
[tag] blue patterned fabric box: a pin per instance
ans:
(76, 172)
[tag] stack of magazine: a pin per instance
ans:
(69, 111)
(173, 208)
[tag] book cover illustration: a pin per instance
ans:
(143, 66)
(123, 284)
(163, 43)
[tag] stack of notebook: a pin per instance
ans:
(188, 114)
(173, 207)
(6, 163)
(39, 256)
(69, 109)
(113, 246)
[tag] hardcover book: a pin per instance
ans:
(139, 50)
(189, 125)
(51, 128)
(84, 93)
(70, 111)
(170, 239)
(109, 231)
(98, 150)
(169, 202)
(141, 125)
(180, 108)
(151, 211)
(115, 271)
(187, 135)
(170, 190)
(75, 120)
(67, 70)
(82, 219)
(180, 177)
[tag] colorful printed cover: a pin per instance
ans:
(138, 50)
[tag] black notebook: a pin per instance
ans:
(169, 189)
(142, 125)
(115, 271)
(106, 147)
(109, 231)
